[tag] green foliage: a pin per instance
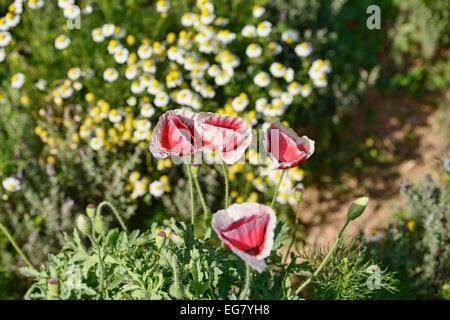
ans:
(419, 39)
(351, 274)
(416, 245)
(133, 266)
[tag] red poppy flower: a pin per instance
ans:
(174, 135)
(285, 147)
(247, 229)
(228, 135)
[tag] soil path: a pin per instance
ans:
(415, 134)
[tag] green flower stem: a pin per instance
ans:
(278, 187)
(100, 263)
(327, 257)
(14, 244)
(107, 204)
(202, 199)
(246, 289)
(191, 189)
(225, 175)
(297, 217)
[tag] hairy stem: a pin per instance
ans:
(107, 204)
(191, 190)
(100, 264)
(246, 289)
(278, 187)
(327, 257)
(14, 244)
(225, 175)
(297, 217)
(202, 199)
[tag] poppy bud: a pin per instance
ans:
(160, 238)
(357, 208)
(90, 210)
(99, 225)
(84, 225)
(176, 291)
(53, 289)
(299, 191)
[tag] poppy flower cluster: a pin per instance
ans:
(247, 229)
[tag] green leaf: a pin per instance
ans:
(30, 272)
(88, 264)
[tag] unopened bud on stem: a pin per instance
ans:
(357, 208)
(84, 225)
(90, 210)
(160, 239)
(53, 289)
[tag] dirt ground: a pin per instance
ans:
(415, 134)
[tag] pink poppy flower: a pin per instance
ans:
(285, 147)
(174, 135)
(228, 135)
(247, 229)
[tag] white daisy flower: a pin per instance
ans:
(161, 99)
(223, 78)
(288, 75)
(274, 48)
(277, 69)
(156, 188)
(74, 73)
(306, 90)
(2, 54)
(262, 79)
(108, 29)
(131, 101)
(11, 184)
(253, 50)
(239, 104)
(258, 11)
(321, 82)
(35, 4)
(289, 36)
(114, 116)
(62, 42)
(147, 110)
(144, 51)
(260, 104)
(5, 38)
(131, 72)
(65, 3)
(264, 28)
(303, 49)
(121, 55)
(110, 74)
(96, 143)
(17, 80)
(97, 35)
(294, 88)
(162, 6)
(248, 31)
(72, 11)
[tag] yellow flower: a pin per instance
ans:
(253, 197)
(25, 100)
(131, 40)
(89, 97)
(411, 225)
